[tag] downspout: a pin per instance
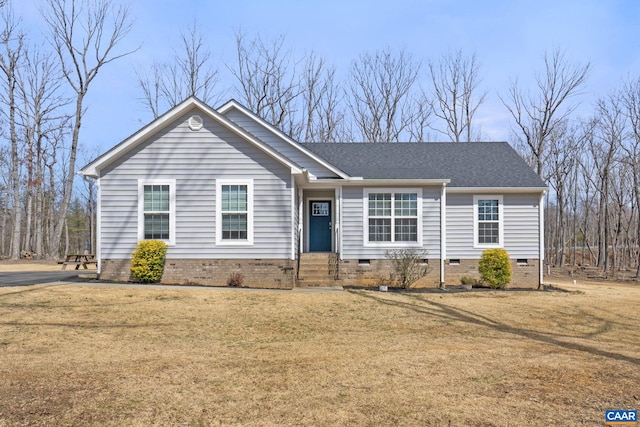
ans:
(541, 240)
(443, 232)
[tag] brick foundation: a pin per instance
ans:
(377, 272)
(280, 274)
(257, 273)
(522, 275)
(354, 273)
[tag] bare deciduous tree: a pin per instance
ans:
(187, 73)
(456, 97)
(41, 104)
(538, 115)
(380, 94)
(422, 119)
(566, 144)
(322, 119)
(604, 146)
(13, 40)
(268, 84)
(631, 150)
(85, 35)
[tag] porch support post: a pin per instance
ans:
(301, 220)
(294, 226)
(443, 232)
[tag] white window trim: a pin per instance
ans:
(500, 243)
(219, 184)
(365, 217)
(172, 207)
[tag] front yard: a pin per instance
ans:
(75, 355)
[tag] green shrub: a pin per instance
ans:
(147, 262)
(495, 268)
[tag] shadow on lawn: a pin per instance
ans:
(444, 311)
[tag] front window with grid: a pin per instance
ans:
(235, 209)
(393, 217)
(156, 212)
(234, 212)
(488, 221)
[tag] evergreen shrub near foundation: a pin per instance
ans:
(147, 261)
(495, 268)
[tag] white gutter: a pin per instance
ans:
(494, 190)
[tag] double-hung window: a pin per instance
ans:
(392, 216)
(156, 210)
(234, 212)
(488, 216)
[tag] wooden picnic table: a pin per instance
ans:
(79, 260)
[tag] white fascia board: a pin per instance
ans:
(500, 190)
(234, 104)
(93, 168)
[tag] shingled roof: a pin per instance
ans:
(474, 164)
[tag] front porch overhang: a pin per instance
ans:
(306, 180)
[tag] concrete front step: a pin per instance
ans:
(317, 270)
(314, 283)
(315, 273)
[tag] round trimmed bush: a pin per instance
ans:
(147, 262)
(495, 268)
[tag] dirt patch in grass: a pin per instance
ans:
(73, 355)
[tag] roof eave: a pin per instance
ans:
(360, 182)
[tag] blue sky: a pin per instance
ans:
(509, 38)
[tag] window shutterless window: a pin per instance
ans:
(156, 210)
(234, 212)
(392, 216)
(488, 221)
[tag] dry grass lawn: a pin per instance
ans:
(75, 355)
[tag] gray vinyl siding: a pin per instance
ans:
(280, 145)
(195, 159)
(431, 221)
(353, 225)
(520, 225)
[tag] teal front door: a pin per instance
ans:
(320, 225)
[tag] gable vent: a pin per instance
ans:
(195, 122)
